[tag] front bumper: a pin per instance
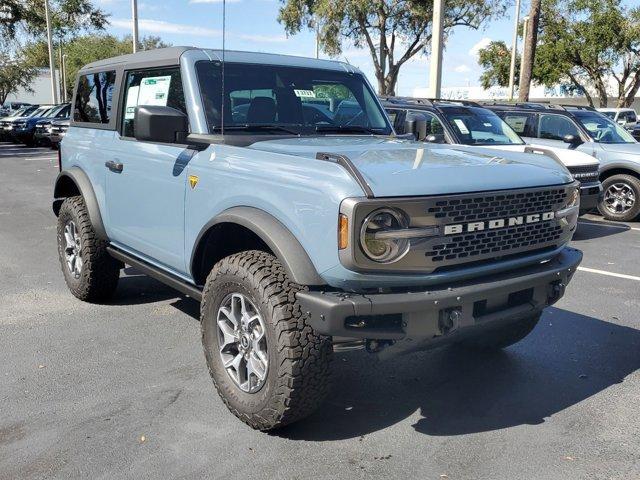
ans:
(441, 311)
(590, 196)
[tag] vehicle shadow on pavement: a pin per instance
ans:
(135, 288)
(568, 358)
(589, 231)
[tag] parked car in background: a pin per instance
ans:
(6, 123)
(586, 130)
(625, 117)
(297, 232)
(42, 132)
(9, 108)
(24, 129)
(467, 123)
(57, 132)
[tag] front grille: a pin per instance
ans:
(495, 242)
(585, 173)
(497, 206)
(474, 228)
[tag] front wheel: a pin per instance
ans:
(268, 365)
(621, 198)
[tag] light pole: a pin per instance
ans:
(64, 78)
(435, 74)
(52, 65)
(134, 15)
(514, 51)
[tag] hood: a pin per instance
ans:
(570, 158)
(627, 148)
(395, 167)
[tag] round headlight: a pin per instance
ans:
(385, 248)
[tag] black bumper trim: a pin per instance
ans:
(590, 196)
(327, 311)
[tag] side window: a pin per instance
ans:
(394, 117)
(521, 123)
(94, 97)
(151, 87)
(434, 126)
(631, 117)
(556, 127)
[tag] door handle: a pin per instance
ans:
(114, 166)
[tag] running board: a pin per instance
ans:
(157, 273)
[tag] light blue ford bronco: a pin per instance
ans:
(274, 190)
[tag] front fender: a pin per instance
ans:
(272, 232)
(72, 182)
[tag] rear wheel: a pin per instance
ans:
(503, 336)
(89, 271)
(268, 365)
(621, 198)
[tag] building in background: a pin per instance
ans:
(41, 87)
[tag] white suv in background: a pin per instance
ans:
(625, 117)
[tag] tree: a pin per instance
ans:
(394, 31)
(86, 49)
(13, 76)
(530, 45)
(495, 59)
(68, 17)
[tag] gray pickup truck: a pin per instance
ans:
(274, 190)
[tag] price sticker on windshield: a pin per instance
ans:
(305, 93)
(461, 126)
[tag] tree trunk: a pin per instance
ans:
(530, 41)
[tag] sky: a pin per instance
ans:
(252, 25)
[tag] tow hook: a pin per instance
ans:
(449, 319)
(555, 291)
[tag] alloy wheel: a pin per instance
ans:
(73, 249)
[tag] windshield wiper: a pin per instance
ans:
(346, 129)
(260, 127)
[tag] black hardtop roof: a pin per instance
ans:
(170, 55)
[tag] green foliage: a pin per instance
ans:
(393, 30)
(68, 17)
(14, 75)
(87, 49)
(495, 59)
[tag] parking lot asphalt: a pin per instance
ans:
(122, 391)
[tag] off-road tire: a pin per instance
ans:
(100, 272)
(298, 375)
(502, 336)
(632, 213)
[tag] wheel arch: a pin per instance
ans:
(619, 169)
(251, 228)
(74, 182)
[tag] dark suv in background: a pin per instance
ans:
(587, 130)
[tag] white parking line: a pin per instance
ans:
(604, 225)
(609, 274)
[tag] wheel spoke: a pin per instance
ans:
(228, 335)
(256, 367)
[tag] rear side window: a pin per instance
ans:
(556, 127)
(94, 97)
(151, 87)
(522, 123)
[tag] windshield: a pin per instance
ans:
(602, 129)
(293, 100)
(479, 126)
(611, 115)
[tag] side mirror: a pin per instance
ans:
(157, 123)
(572, 140)
(417, 125)
(435, 138)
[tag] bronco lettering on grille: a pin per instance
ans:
(497, 223)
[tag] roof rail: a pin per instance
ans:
(420, 101)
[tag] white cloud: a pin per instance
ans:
(484, 42)
(160, 26)
(462, 69)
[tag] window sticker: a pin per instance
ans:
(132, 101)
(461, 126)
(305, 93)
(154, 90)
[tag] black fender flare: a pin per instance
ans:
(275, 235)
(83, 185)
